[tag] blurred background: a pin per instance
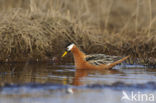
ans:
(45, 27)
(105, 14)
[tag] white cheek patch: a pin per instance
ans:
(70, 47)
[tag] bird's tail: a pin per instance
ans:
(117, 62)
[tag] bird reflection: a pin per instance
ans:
(80, 73)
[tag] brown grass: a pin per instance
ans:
(40, 29)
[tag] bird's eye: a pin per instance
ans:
(66, 49)
(70, 47)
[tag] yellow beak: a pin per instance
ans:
(64, 54)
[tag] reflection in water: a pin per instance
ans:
(36, 73)
(45, 73)
(40, 83)
(68, 75)
(79, 74)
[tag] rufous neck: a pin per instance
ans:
(78, 55)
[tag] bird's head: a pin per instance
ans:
(68, 49)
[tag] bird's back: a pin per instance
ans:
(98, 59)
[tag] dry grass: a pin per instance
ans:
(40, 29)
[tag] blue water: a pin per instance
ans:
(47, 83)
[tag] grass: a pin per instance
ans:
(41, 29)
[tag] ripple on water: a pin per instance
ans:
(51, 84)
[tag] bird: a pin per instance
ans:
(93, 61)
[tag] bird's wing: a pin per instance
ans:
(98, 59)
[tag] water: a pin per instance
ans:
(47, 83)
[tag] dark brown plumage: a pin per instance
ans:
(98, 59)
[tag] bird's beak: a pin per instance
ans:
(64, 54)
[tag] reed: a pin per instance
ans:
(40, 29)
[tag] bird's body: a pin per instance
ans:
(98, 59)
(94, 61)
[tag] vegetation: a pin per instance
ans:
(40, 29)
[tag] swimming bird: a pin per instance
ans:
(94, 61)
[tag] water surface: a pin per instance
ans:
(47, 83)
